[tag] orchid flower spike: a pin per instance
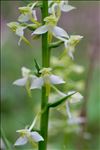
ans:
(46, 79)
(27, 135)
(51, 28)
(19, 30)
(28, 13)
(70, 44)
(55, 7)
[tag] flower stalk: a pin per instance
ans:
(44, 102)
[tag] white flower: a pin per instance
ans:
(71, 43)
(65, 6)
(27, 14)
(26, 77)
(19, 30)
(57, 6)
(46, 79)
(27, 135)
(51, 27)
(77, 97)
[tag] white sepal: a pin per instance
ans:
(25, 71)
(23, 18)
(37, 83)
(77, 97)
(21, 141)
(65, 7)
(56, 79)
(60, 32)
(20, 82)
(41, 30)
(36, 136)
(20, 31)
(34, 14)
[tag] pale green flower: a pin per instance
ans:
(19, 31)
(27, 17)
(46, 79)
(64, 6)
(27, 135)
(50, 26)
(27, 13)
(70, 44)
(77, 97)
(27, 77)
(55, 7)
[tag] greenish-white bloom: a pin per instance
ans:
(71, 43)
(77, 97)
(46, 79)
(57, 6)
(27, 135)
(19, 31)
(27, 13)
(27, 77)
(50, 26)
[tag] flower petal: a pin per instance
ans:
(19, 31)
(34, 14)
(71, 55)
(36, 136)
(56, 80)
(37, 83)
(57, 31)
(25, 71)
(21, 141)
(77, 97)
(20, 82)
(68, 110)
(65, 7)
(41, 30)
(23, 18)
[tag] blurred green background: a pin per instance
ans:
(18, 109)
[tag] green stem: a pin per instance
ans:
(44, 103)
